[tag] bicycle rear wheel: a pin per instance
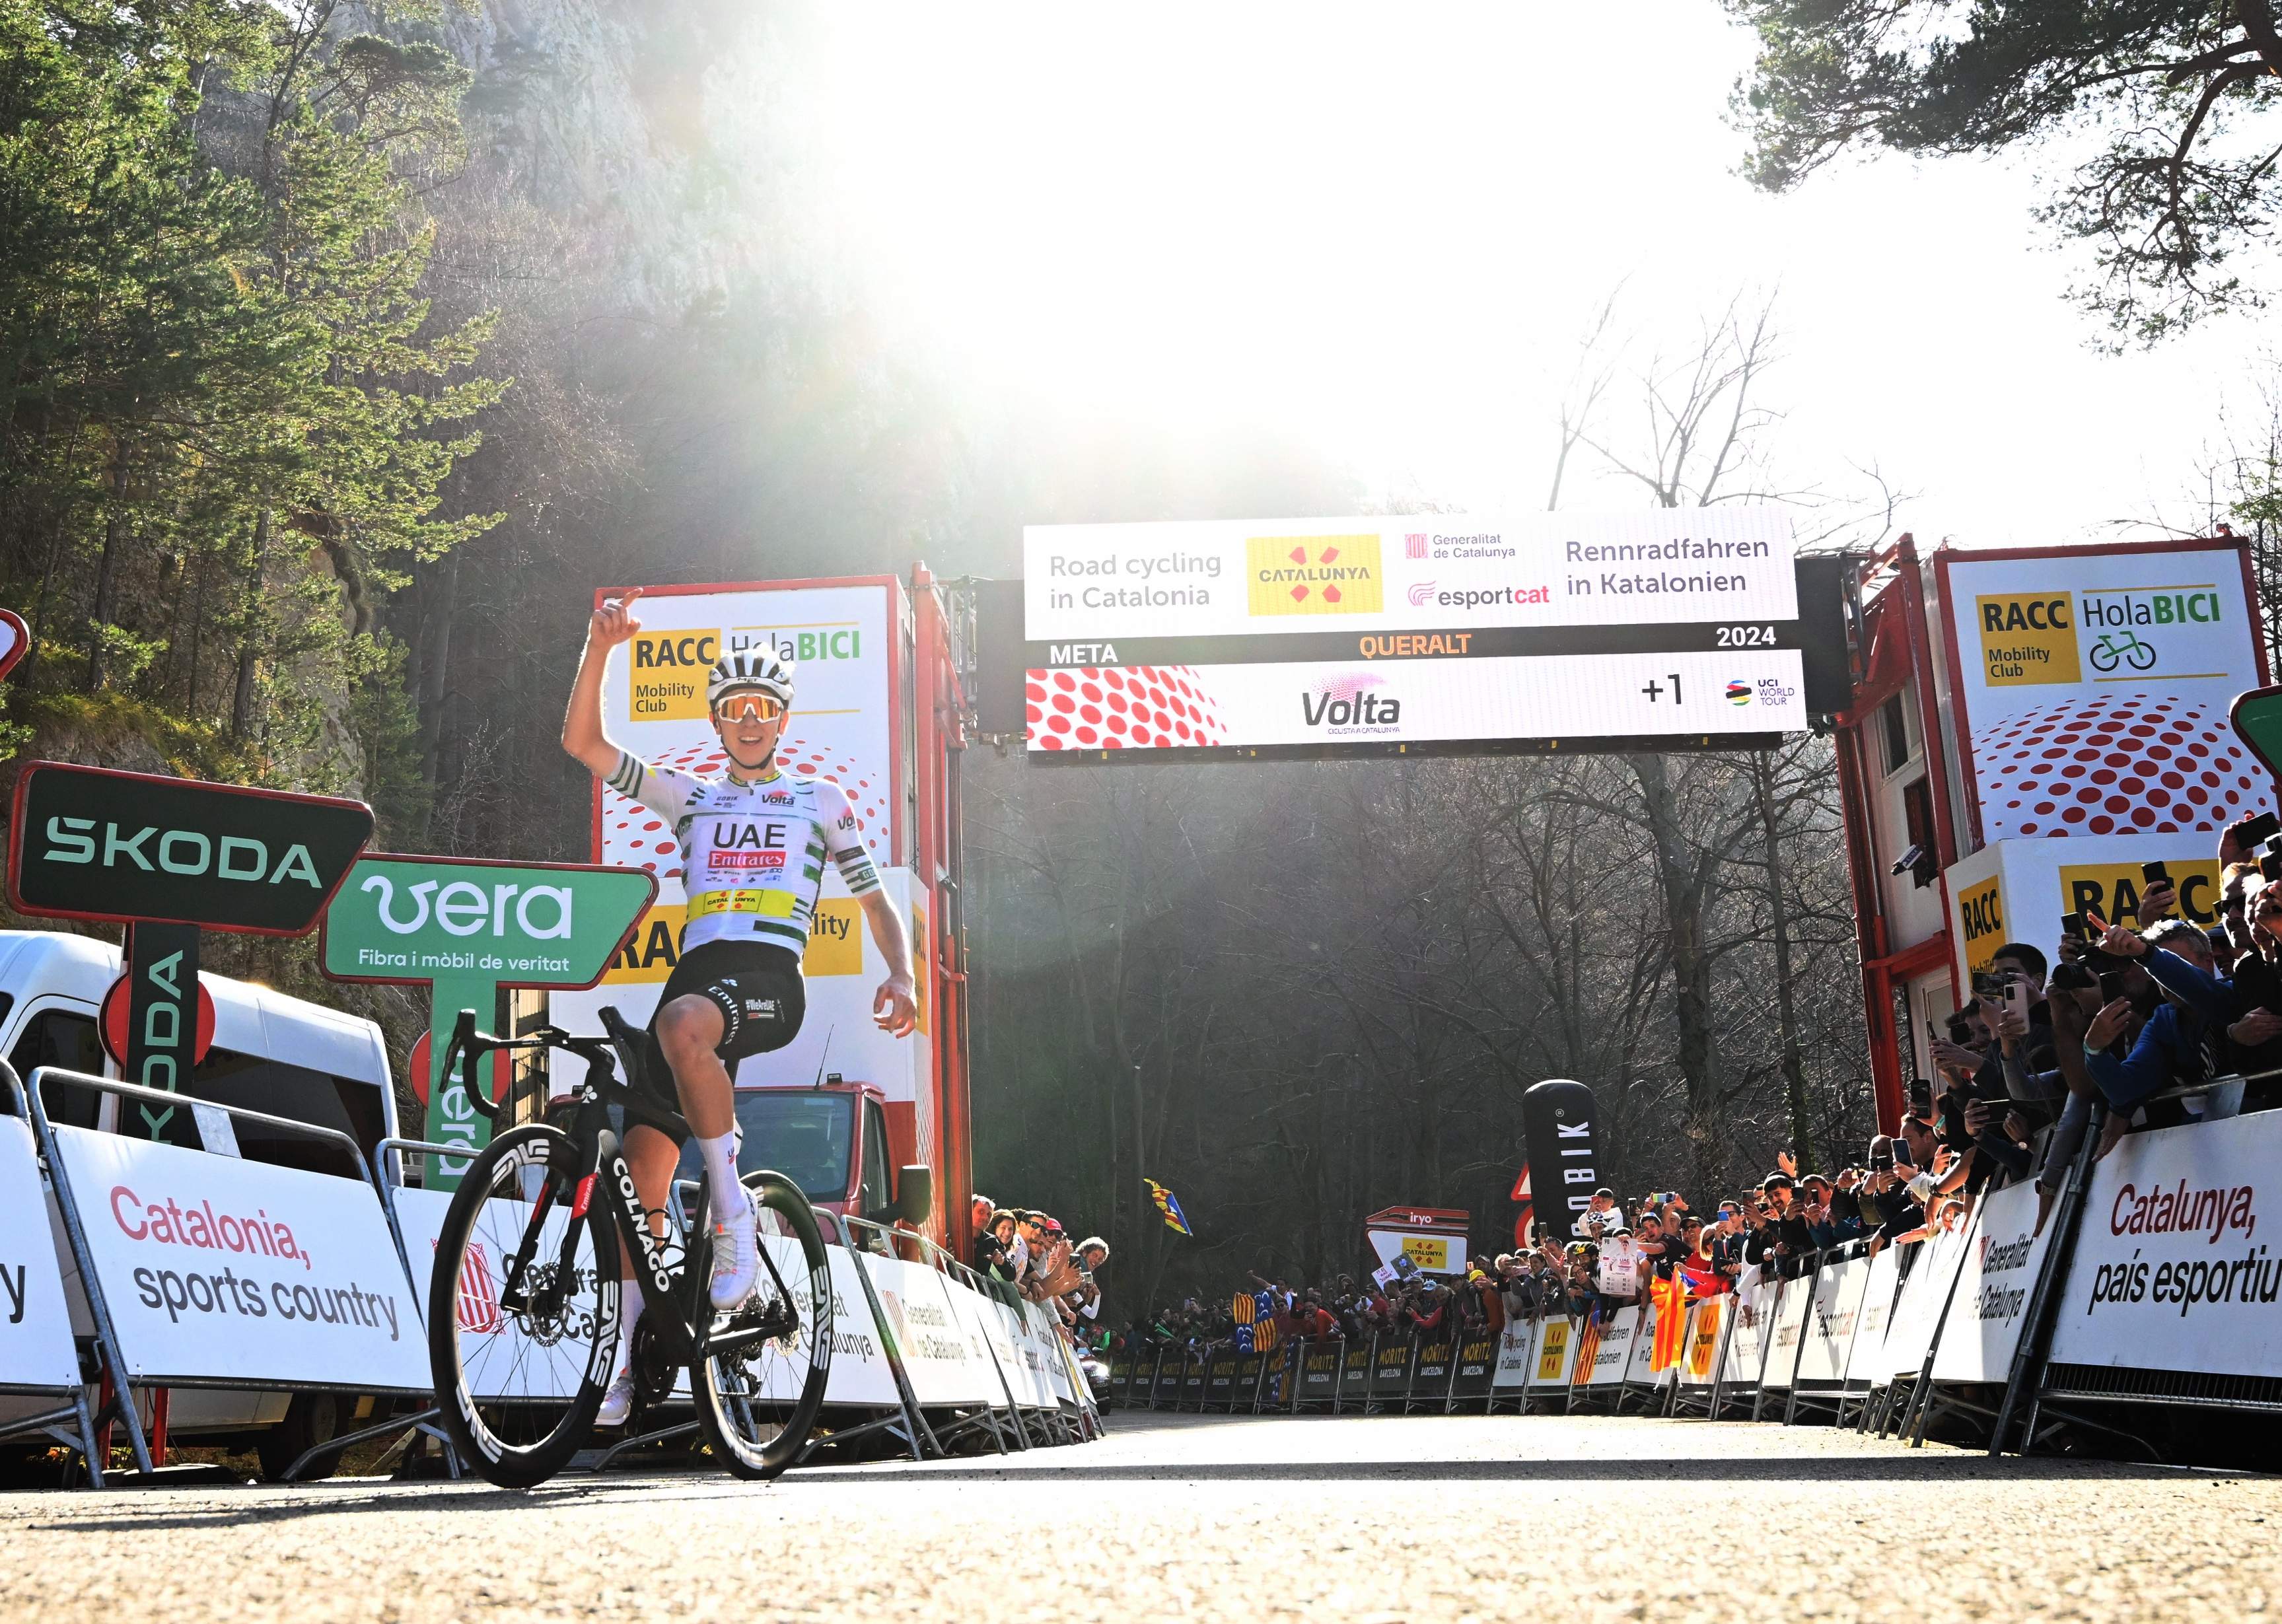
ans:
(757, 1403)
(520, 1366)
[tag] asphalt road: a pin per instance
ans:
(1443, 1518)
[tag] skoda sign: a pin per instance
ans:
(90, 844)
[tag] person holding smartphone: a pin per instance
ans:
(2244, 1009)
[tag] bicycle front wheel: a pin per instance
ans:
(758, 1399)
(523, 1309)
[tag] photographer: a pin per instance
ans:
(1604, 1217)
(1918, 1134)
(2248, 1008)
(1793, 1240)
(1886, 1194)
(2171, 1045)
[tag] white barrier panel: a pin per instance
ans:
(1699, 1354)
(2166, 1274)
(1909, 1330)
(1556, 1354)
(1013, 1350)
(2001, 1261)
(1046, 1346)
(1830, 1326)
(1795, 1298)
(1643, 1349)
(936, 1357)
(1747, 1346)
(1611, 1345)
(36, 1333)
(1516, 1353)
(219, 1270)
(1865, 1361)
(500, 1360)
(974, 1312)
(520, 1368)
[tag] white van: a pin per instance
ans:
(270, 1053)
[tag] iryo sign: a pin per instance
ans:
(467, 928)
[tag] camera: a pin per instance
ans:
(1908, 860)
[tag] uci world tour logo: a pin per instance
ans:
(1739, 694)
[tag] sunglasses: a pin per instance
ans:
(749, 707)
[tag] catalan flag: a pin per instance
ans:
(1169, 1206)
(1670, 1300)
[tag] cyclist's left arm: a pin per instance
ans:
(896, 1006)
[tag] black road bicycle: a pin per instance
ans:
(523, 1303)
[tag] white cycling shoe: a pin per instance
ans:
(618, 1401)
(736, 1258)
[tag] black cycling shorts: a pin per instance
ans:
(757, 988)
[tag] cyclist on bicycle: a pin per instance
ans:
(753, 845)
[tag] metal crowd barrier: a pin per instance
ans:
(117, 1404)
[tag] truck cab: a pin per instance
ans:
(838, 1141)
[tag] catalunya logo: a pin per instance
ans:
(1313, 575)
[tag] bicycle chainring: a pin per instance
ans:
(655, 1371)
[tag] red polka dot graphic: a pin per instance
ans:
(2115, 764)
(1123, 707)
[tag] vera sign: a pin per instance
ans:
(92, 843)
(467, 928)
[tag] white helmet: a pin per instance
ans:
(750, 668)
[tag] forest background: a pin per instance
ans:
(344, 350)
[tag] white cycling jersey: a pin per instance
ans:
(752, 855)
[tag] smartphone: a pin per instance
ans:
(1959, 1033)
(2251, 831)
(2072, 928)
(2153, 874)
(2111, 986)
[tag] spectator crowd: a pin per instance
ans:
(2115, 1023)
(1028, 1250)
